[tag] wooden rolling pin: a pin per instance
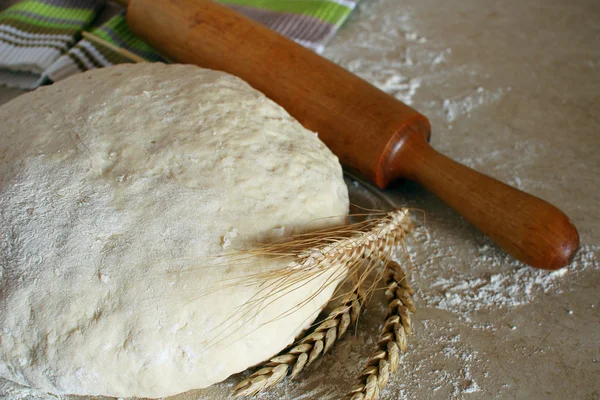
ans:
(370, 131)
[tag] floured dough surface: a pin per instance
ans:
(119, 189)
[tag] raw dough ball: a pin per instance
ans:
(118, 189)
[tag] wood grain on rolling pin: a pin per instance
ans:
(370, 131)
(346, 111)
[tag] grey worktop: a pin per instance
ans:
(512, 89)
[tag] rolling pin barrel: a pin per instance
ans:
(370, 131)
(347, 112)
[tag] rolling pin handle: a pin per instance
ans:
(527, 227)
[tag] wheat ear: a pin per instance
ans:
(347, 247)
(306, 350)
(397, 327)
(328, 249)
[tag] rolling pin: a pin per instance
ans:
(371, 132)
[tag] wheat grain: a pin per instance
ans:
(397, 327)
(306, 351)
(374, 240)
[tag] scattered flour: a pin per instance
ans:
(455, 108)
(391, 50)
(388, 50)
(464, 293)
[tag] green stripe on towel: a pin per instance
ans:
(328, 11)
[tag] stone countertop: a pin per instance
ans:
(512, 89)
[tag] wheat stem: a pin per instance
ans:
(397, 327)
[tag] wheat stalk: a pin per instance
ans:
(119, 50)
(305, 351)
(397, 327)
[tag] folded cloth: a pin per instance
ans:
(90, 54)
(34, 33)
(311, 23)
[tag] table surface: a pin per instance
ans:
(512, 89)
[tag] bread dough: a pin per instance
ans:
(118, 190)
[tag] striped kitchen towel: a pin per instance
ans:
(90, 54)
(311, 23)
(34, 33)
